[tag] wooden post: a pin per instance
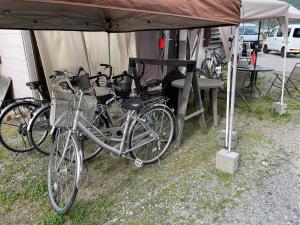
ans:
(183, 104)
(198, 101)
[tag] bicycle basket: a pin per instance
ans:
(82, 82)
(124, 85)
(64, 105)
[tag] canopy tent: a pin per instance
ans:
(257, 10)
(117, 15)
(122, 16)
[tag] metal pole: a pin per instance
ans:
(166, 51)
(228, 101)
(258, 39)
(109, 56)
(235, 52)
(284, 59)
(86, 52)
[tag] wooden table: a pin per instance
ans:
(204, 84)
(253, 75)
(190, 83)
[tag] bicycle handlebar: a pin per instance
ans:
(63, 78)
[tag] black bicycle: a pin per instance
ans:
(214, 64)
(15, 117)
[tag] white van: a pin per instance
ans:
(249, 34)
(275, 41)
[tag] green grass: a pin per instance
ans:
(7, 198)
(181, 190)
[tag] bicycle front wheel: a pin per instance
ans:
(209, 67)
(64, 172)
(153, 132)
(14, 121)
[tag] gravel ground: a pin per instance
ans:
(277, 199)
(184, 188)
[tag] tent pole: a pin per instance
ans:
(235, 52)
(109, 56)
(166, 51)
(86, 52)
(258, 39)
(228, 101)
(284, 59)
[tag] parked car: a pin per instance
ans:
(275, 41)
(249, 33)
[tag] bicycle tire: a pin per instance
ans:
(53, 188)
(10, 112)
(155, 127)
(40, 123)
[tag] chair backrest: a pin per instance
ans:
(241, 78)
(295, 74)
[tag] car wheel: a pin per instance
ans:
(282, 52)
(265, 49)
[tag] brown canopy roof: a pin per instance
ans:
(117, 15)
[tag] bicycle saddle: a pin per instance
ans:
(153, 83)
(132, 103)
(34, 84)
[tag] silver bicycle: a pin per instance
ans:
(147, 134)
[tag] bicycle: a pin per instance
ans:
(41, 134)
(14, 119)
(148, 132)
(214, 64)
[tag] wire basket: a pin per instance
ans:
(64, 105)
(124, 84)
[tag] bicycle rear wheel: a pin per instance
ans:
(14, 120)
(63, 173)
(39, 130)
(154, 132)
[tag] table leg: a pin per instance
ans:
(210, 105)
(252, 82)
(179, 100)
(215, 105)
(181, 109)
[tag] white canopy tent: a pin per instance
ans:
(256, 10)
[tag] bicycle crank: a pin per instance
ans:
(138, 163)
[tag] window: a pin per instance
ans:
(273, 33)
(248, 30)
(296, 33)
(279, 33)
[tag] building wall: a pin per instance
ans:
(14, 62)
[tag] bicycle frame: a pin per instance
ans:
(85, 126)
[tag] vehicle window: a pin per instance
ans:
(273, 33)
(279, 33)
(251, 30)
(296, 33)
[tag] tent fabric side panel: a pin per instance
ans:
(66, 50)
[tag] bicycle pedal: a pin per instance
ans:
(138, 163)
